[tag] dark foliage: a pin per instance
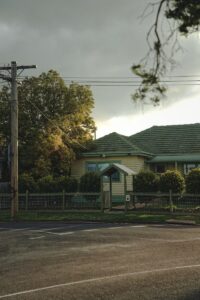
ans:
(90, 182)
(145, 181)
(172, 180)
(179, 17)
(192, 182)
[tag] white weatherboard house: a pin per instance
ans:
(158, 148)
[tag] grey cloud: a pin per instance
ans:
(77, 14)
(83, 38)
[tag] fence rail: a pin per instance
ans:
(143, 202)
(53, 201)
(169, 202)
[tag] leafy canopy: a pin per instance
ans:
(55, 123)
(172, 18)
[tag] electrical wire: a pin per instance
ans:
(106, 81)
(115, 77)
(122, 81)
(111, 81)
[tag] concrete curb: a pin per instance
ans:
(181, 222)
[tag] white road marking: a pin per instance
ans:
(129, 226)
(60, 233)
(37, 237)
(98, 279)
(138, 226)
(46, 229)
(119, 227)
(88, 230)
(169, 241)
(65, 233)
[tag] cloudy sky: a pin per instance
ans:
(98, 40)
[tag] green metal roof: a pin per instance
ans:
(113, 144)
(176, 158)
(162, 143)
(166, 140)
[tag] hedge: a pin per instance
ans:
(172, 180)
(145, 181)
(193, 182)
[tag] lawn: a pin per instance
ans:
(95, 216)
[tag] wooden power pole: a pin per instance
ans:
(12, 78)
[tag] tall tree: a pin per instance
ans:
(54, 123)
(182, 17)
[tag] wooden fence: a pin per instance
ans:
(53, 201)
(141, 202)
(165, 202)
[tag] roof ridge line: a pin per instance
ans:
(130, 143)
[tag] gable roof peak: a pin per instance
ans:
(114, 143)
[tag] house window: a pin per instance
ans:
(160, 168)
(91, 167)
(100, 166)
(189, 167)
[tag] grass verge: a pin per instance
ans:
(97, 217)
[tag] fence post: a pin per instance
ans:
(110, 194)
(125, 192)
(171, 201)
(63, 200)
(134, 201)
(102, 196)
(26, 200)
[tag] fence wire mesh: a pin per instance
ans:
(141, 202)
(53, 201)
(5, 201)
(165, 202)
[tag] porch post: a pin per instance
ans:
(125, 188)
(102, 195)
(110, 189)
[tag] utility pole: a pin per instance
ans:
(12, 78)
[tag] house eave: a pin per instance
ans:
(114, 154)
(175, 158)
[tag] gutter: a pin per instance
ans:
(112, 154)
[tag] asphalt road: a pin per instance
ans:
(51, 260)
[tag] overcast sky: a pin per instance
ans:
(97, 38)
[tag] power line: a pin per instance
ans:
(124, 81)
(118, 84)
(131, 85)
(118, 77)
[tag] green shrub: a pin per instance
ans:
(46, 184)
(172, 180)
(90, 182)
(145, 181)
(27, 182)
(193, 182)
(69, 184)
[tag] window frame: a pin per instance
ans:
(108, 162)
(190, 166)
